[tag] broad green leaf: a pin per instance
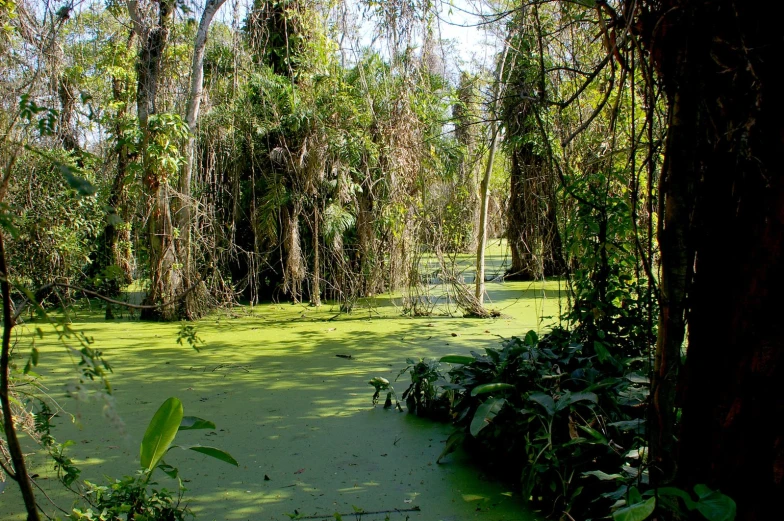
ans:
(218, 454)
(601, 351)
(636, 512)
(167, 469)
(452, 442)
(638, 378)
(457, 359)
(531, 338)
(545, 400)
(716, 506)
(702, 490)
(485, 413)
(627, 425)
(491, 388)
(160, 433)
(191, 423)
(593, 433)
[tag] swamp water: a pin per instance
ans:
(296, 416)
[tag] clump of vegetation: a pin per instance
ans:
(136, 497)
(564, 419)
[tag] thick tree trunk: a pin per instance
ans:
(166, 280)
(723, 188)
(294, 267)
(66, 128)
(519, 220)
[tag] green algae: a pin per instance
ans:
(297, 417)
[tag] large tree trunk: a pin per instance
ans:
(723, 188)
(165, 278)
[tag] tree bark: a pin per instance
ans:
(165, 276)
(722, 249)
(185, 212)
(116, 240)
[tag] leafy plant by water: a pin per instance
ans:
(136, 497)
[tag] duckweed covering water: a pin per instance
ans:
(297, 417)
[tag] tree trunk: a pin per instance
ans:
(115, 249)
(165, 277)
(520, 219)
(184, 212)
(723, 188)
(9, 429)
(484, 189)
(294, 269)
(315, 287)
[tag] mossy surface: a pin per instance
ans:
(288, 409)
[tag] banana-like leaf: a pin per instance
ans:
(545, 400)
(491, 388)
(160, 433)
(568, 399)
(452, 442)
(485, 413)
(212, 452)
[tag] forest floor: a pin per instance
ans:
(296, 416)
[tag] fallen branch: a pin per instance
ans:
(363, 513)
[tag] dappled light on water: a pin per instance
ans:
(287, 387)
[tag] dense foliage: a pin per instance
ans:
(276, 153)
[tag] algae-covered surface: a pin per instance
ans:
(296, 416)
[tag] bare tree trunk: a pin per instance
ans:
(184, 213)
(484, 189)
(367, 235)
(66, 128)
(466, 116)
(294, 270)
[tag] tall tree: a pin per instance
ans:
(722, 242)
(170, 263)
(153, 23)
(185, 215)
(532, 228)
